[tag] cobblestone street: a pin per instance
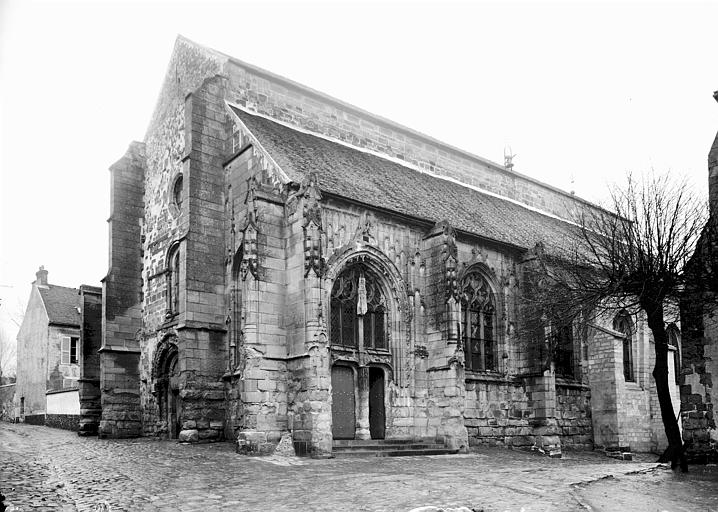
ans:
(47, 469)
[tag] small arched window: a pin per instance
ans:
(622, 323)
(178, 192)
(173, 281)
(478, 323)
(358, 310)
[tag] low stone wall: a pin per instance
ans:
(573, 415)
(34, 419)
(497, 412)
(63, 421)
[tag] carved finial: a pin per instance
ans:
(508, 158)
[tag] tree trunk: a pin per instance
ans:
(675, 452)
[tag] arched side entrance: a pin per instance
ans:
(166, 376)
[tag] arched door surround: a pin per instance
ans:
(166, 386)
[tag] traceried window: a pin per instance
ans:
(358, 310)
(622, 323)
(562, 331)
(478, 323)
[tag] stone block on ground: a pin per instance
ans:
(188, 436)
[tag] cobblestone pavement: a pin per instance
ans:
(48, 469)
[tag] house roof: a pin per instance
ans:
(62, 304)
(371, 179)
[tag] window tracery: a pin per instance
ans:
(358, 310)
(478, 323)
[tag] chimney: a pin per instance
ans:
(41, 276)
(713, 172)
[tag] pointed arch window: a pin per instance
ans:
(674, 339)
(622, 323)
(478, 323)
(358, 310)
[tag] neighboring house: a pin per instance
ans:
(50, 356)
(285, 264)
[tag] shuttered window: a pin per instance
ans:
(65, 358)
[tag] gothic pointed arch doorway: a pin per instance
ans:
(359, 336)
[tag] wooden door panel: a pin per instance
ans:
(343, 407)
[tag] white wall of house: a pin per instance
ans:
(63, 402)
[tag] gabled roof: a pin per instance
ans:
(61, 304)
(371, 179)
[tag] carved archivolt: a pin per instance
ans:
(165, 351)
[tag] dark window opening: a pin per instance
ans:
(563, 348)
(478, 318)
(74, 342)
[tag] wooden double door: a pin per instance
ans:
(358, 398)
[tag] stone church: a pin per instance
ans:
(286, 265)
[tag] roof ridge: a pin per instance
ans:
(381, 119)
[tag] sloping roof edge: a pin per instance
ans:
(377, 154)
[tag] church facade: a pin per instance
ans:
(283, 264)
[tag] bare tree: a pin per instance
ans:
(8, 354)
(634, 255)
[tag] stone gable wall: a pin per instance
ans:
(32, 357)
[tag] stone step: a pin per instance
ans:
(362, 442)
(390, 447)
(395, 453)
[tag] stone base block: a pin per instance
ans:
(548, 445)
(188, 436)
(254, 443)
(619, 452)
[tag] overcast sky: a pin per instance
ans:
(581, 92)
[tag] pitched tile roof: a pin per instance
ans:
(354, 174)
(61, 304)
